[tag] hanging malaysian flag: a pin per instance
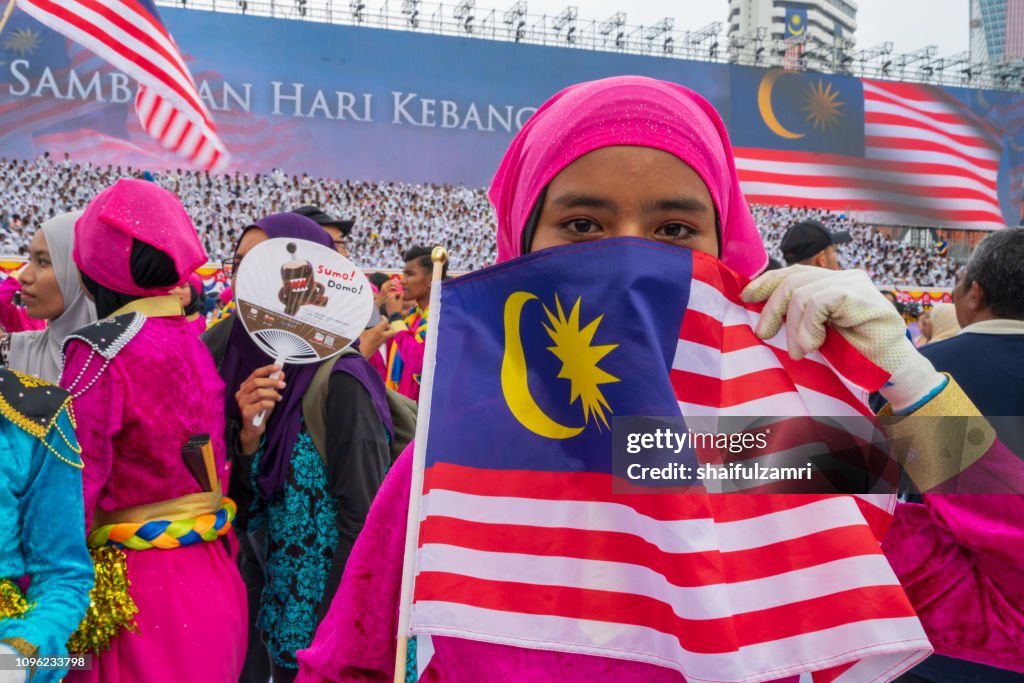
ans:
(130, 35)
(894, 152)
(523, 535)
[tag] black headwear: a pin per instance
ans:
(150, 267)
(807, 238)
(320, 217)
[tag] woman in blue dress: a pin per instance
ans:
(45, 570)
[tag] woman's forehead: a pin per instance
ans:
(38, 242)
(627, 169)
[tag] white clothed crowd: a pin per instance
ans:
(390, 217)
(886, 261)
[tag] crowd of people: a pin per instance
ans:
(885, 260)
(390, 216)
(181, 507)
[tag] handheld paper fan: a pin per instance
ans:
(300, 301)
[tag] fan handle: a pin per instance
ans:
(262, 415)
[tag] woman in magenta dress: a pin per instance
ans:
(149, 405)
(958, 557)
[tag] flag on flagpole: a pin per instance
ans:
(520, 537)
(130, 35)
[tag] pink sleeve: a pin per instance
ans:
(13, 318)
(98, 414)
(961, 560)
(356, 640)
(8, 286)
(998, 470)
(411, 350)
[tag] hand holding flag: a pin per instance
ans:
(519, 536)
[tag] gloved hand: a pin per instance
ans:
(7, 672)
(807, 298)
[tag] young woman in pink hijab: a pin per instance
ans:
(630, 156)
(150, 411)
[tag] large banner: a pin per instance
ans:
(371, 104)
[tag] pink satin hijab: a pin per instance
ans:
(625, 110)
(137, 209)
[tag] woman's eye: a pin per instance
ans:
(581, 226)
(676, 231)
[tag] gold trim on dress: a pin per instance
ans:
(166, 306)
(935, 450)
(184, 507)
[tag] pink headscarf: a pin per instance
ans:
(625, 110)
(141, 210)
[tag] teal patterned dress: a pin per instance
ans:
(301, 539)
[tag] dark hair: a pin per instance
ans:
(421, 255)
(378, 279)
(198, 302)
(997, 265)
(150, 268)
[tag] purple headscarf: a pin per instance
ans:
(242, 357)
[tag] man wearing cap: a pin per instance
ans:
(810, 243)
(338, 229)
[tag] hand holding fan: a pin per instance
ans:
(301, 302)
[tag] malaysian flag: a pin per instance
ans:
(130, 35)
(522, 538)
(904, 152)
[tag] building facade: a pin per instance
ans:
(821, 25)
(997, 30)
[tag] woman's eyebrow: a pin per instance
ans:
(691, 204)
(582, 201)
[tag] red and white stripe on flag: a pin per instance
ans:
(129, 35)
(791, 59)
(725, 588)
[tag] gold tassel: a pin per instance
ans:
(13, 604)
(110, 606)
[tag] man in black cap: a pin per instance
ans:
(809, 243)
(338, 229)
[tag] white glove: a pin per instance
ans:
(807, 298)
(7, 672)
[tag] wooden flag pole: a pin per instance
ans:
(7, 14)
(412, 523)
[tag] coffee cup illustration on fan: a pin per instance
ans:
(300, 289)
